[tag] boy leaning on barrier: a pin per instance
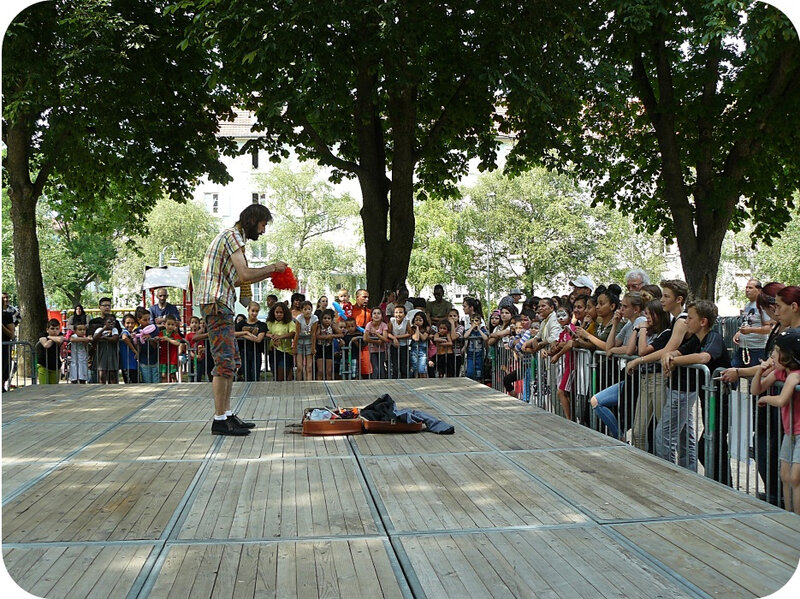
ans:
(703, 346)
(48, 353)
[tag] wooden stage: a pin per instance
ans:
(121, 491)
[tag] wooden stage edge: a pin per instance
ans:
(121, 491)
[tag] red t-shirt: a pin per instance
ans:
(168, 350)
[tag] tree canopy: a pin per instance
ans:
(535, 230)
(690, 120)
(314, 228)
(398, 94)
(182, 229)
(99, 98)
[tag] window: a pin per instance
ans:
(257, 292)
(212, 201)
(254, 156)
(259, 198)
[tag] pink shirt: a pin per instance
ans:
(374, 348)
(791, 411)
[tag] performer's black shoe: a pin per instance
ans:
(241, 423)
(228, 427)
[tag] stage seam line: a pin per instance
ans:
(656, 563)
(401, 565)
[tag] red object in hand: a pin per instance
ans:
(284, 280)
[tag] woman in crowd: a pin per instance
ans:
(78, 317)
(766, 420)
(322, 305)
(653, 336)
(606, 305)
(389, 298)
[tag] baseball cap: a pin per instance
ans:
(789, 341)
(582, 281)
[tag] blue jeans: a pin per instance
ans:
(677, 423)
(605, 398)
(150, 373)
(419, 359)
(475, 365)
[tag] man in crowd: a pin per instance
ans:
(581, 285)
(636, 279)
(438, 308)
(514, 297)
(160, 310)
(225, 268)
(360, 309)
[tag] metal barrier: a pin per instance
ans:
(690, 418)
(728, 326)
(19, 365)
(756, 433)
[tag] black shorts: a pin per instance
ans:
(324, 352)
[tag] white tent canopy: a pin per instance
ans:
(167, 276)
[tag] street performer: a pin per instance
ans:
(224, 268)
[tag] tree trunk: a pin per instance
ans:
(374, 213)
(701, 251)
(401, 208)
(24, 195)
(700, 260)
(30, 287)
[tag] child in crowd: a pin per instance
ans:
(785, 369)
(148, 348)
(475, 347)
(579, 309)
(250, 333)
(419, 345)
(195, 372)
(351, 350)
(494, 322)
(704, 346)
(521, 359)
(327, 331)
(79, 355)
(563, 359)
(399, 336)
(172, 344)
(106, 341)
(305, 341)
(376, 335)
(443, 340)
(343, 306)
(457, 330)
(48, 353)
(128, 352)
(281, 331)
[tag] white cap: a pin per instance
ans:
(582, 281)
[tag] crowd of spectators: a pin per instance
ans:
(653, 327)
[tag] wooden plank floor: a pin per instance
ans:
(123, 492)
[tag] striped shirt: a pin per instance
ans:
(218, 279)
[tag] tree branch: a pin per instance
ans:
(435, 133)
(327, 156)
(784, 78)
